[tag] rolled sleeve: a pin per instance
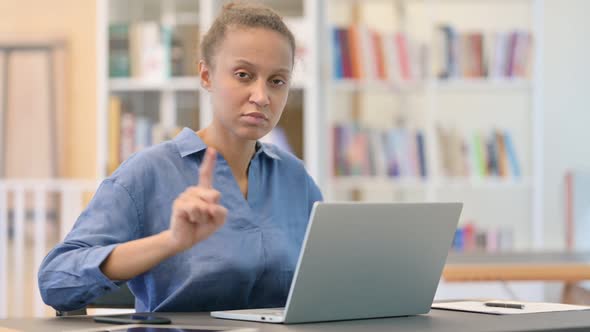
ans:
(70, 276)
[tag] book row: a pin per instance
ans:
(361, 53)
(471, 238)
(151, 51)
(401, 152)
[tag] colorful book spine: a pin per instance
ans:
(338, 70)
(512, 155)
(421, 154)
(395, 152)
(472, 238)
(114, 139)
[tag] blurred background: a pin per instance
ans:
(480, 101)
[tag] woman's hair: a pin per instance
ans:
(242, 15)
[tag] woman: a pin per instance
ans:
(209, 220)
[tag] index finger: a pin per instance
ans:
(206, 168)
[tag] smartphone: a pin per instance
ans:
(132, 319)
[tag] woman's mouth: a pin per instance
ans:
(255, 118)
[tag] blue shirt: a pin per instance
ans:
(248, 263)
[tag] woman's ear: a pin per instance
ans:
(205, 75)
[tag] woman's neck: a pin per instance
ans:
(237, 152)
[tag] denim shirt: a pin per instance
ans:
(247, 263)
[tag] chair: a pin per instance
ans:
(120, 299)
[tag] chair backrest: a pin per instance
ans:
(122, 298)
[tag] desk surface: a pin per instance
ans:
(532, 257)
(436, 320)
(568, 267)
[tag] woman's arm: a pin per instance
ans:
(102, 247)
(133, 258)
(196, 214)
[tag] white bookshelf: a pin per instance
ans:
(472, 183)
(488, 85)
(425, 103)
(172, 84)
(325, 101)
(167, 89)
(299, 16)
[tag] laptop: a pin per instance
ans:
(365, 260)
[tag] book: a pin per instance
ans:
(337, 61)
(377, 46)
(503, 167)
(367, 56)
(477, 154)
(392, 65)
(354, 51)
(127, 142)
(119, 62)
(474, 54)
(148, 53)
(511, 154)
(345, 51)
(403, 56)
(361, 53)
(143, 133)
(394, 152)
(114, 134)
(421, 153)
(527, 307)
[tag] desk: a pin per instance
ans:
(570, 268)
(436, 320)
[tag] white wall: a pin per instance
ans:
(566, 105)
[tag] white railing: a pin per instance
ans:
(24, 206)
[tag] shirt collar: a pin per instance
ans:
(267, 149)
(188, 142)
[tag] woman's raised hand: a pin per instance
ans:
(196, 213)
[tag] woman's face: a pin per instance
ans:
(249, 81)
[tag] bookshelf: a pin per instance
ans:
(149, 86)
(404, 97)
(489, 91)
(147, 82)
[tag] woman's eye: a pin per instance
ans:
(278, 82)
(242, 75)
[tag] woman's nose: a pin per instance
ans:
(259, 94)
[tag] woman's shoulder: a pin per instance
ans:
(285, 158)
(290, 165)
(286, 162)
(147, 162)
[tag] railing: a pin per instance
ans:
(34, 216)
